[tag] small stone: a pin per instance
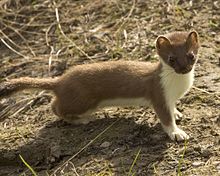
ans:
(55, 151)
(9, 156)
(52, 159)
(218, 119)
(197, 163)
(214, 133)
(206, 153)
(154, 137)
(197, 149)
(105, 144)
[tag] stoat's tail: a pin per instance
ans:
(14, 85)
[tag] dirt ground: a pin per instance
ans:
(44, 38)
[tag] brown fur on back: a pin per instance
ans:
(86, 86)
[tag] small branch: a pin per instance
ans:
(51, 49)
(5, 36)
(3, 2)
(74, 168)
(204, 91)
(125, 19)
(18, 53)
(19, 34)
(27, 104)
(67, 38)
(46, 34)
(50, 59)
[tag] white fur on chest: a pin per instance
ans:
(175, 85)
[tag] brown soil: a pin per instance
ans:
(96, 31)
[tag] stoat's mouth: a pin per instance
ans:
(183, 71)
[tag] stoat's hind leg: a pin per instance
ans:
(84, 118)
(74, 113)
(79, 119)
(54, 107)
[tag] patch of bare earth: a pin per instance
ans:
(44, 38)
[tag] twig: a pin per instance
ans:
(27, 104)
(50, 59)
(74, 169)
(18, 53)
(3, 2)
(18, 33)
(51, 47)
(67, 38)
(21, 134)
(16, 106)
(86, 146)
(125, 19)
(58, 52)
(5, 36)
(46, 34)
(210, 93)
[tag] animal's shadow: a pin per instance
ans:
(58, 141)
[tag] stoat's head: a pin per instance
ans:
(178, 50)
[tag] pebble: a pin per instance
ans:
(9, 156)
(105, 144)
(197, 149)
(197, 163)
(206, 153)
(55, 151)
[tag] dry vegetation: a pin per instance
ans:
(42, 38)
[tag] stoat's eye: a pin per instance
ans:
(171, 60)
(191, 56)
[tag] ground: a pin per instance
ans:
(44, 38)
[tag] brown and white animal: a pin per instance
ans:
(85, 88)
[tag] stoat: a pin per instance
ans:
(85, 88)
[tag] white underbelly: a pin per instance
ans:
(123, 102)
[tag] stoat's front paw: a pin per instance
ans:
(178, 115)
(177, 134)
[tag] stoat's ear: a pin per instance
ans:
(162, 43)
(192, 40)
